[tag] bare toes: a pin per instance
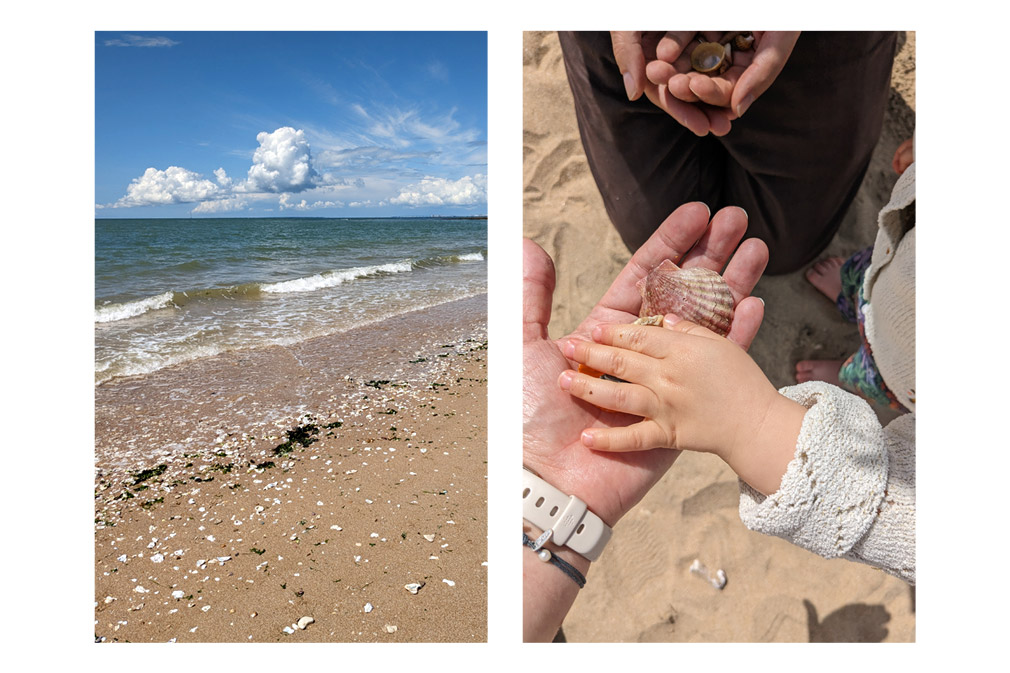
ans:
(818, 370)
(825, 275)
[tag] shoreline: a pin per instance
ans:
(281, 343)
(302, 481)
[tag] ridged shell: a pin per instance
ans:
(695, 294)
(743, 41)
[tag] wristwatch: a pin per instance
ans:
(565, 519)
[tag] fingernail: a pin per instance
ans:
(597, 332)
(568, 348)
(565, 381)
(744, 104)
(587, 439)
(629, 85)
(761, 300)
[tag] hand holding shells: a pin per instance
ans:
(553, 420)
(706, 95)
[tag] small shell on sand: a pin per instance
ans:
(718, 580)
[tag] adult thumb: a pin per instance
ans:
(770, 56)
(538, 291)
(630, 60)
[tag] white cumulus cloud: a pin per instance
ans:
(172, 185)
(467, 191)
(222, 177)
(282, 163)
(221, 205)
(285, 203)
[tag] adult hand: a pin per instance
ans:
(659, 65)
(553, 420)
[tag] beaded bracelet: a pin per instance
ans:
(547, 557)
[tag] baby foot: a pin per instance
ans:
(826, 276)
(818, 370)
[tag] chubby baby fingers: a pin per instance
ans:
(627, 398)
(640, 436)
(648, 340)
(618, 362)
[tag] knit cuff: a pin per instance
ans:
(834, 485)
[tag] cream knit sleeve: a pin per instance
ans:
(850, 488)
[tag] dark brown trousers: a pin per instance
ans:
(794, 161)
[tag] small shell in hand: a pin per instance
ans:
(696, 294)
(711, 58)
(743, 41)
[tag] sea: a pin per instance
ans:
(168, 291)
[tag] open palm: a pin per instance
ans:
(553, 420)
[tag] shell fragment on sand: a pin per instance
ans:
(718, 580)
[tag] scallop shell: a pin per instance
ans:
(697, 294)
(710, 58)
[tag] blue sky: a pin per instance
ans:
(326, 124)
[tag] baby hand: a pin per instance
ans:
(694, 390)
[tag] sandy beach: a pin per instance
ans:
(642, 589)
(290, 493)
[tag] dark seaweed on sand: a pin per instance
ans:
(303, 435)
(144, 475)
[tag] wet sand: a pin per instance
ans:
(641, 589)
(238, 494)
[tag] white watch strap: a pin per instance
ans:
(565, 519)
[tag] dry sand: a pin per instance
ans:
(642, 590)
(237, 494)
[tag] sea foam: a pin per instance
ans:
(334, 278)
(130, 309)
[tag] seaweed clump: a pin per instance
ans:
(144, 475)
(304, 435)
